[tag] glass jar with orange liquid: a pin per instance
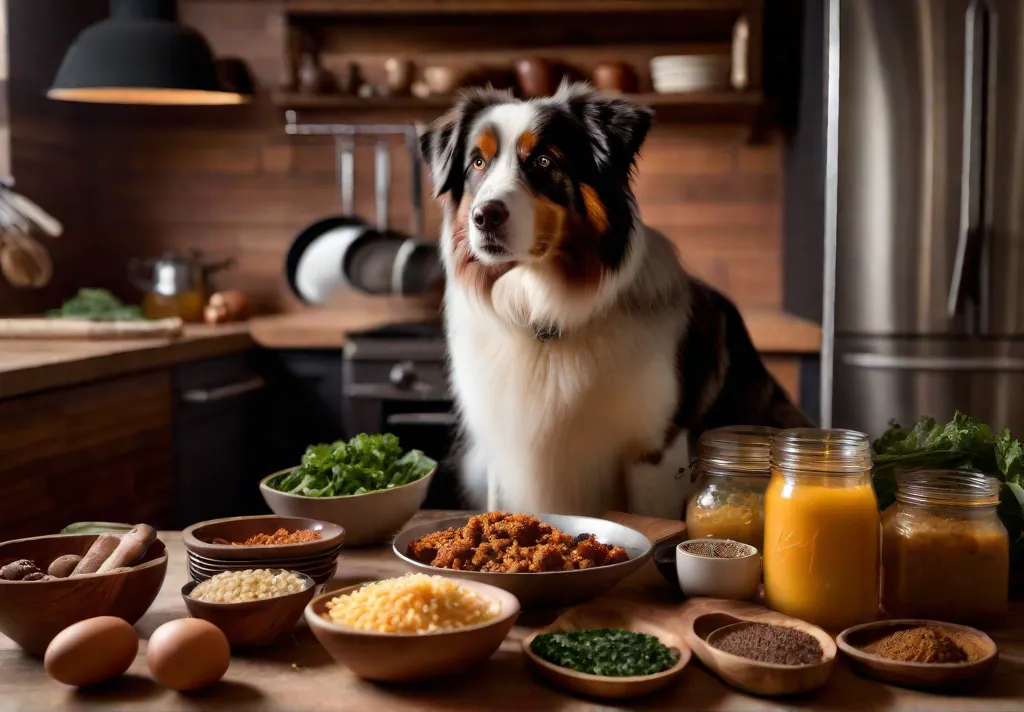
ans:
(945, 552)
(822, 528)
(727, 498)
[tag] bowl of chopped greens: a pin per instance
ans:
(368, 485)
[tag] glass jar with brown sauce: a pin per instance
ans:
(727, 498)
(945, 553)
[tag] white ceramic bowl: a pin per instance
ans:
(368, 519)
(703, 576)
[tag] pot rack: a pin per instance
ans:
(344, 151)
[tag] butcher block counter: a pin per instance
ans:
(773, 331)
(298, 675)
(33, 365)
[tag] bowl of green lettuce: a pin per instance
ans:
(368, 485)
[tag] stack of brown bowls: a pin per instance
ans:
(316, 559)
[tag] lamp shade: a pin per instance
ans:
(141, 55)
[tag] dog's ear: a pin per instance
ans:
(617, 128)
(440, 147)
(443, 144)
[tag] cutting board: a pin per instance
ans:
(85, 329)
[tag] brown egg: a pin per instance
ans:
(91, 651)
(188, 654)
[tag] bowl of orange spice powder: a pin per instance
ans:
(261, 538)
(919, 653)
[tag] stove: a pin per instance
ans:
(394, 380)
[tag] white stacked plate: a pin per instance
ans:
(684, 73)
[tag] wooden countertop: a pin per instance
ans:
(298, 675)
(773, 332)
(30, 365)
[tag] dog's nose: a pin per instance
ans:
(491, 215)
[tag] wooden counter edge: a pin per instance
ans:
(772, 331)
(136, 356)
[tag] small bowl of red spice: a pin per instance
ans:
(920, 654)
(308, 546)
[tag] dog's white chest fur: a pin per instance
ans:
(560, 424)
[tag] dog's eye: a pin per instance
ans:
(479, 164)
(543, 161)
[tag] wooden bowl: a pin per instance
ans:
(755, 677)
(614, 688)
(386, 657)
(284, 563)
(197, 538)
(980, 648)
(368, 519)
(320, 573)
(33, 612)
(252, 624)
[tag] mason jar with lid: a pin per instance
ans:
(727, 498)
(945, 552)
(822, 528)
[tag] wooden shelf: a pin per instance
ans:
(721, 104)
(511, 7)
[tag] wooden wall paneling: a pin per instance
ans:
(5, 129)
(100, 452)
(506, 7)
(50, 151)
(136, 181)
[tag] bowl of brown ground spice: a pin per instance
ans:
(919, 653)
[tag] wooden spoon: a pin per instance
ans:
(24, 262)
(981, 650)
(750, 675)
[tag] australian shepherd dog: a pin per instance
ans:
(584, 359)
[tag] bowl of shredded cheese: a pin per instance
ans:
(390, 630)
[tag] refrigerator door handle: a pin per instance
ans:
(932, 363)
(966, 262)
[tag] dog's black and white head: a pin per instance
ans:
(544, 180)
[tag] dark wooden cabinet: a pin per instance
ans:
(98, 452)
(300, 405)
(217, 458)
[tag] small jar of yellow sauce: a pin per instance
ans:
(727, 498)
(822, 528)
(945, 553)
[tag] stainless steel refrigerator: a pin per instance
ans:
(924, 212)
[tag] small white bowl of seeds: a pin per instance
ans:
(718, 568)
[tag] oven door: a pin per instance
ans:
(430, 427)
(422, 424)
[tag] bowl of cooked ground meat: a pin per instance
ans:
(542, 559)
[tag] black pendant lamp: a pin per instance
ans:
(141, 55)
